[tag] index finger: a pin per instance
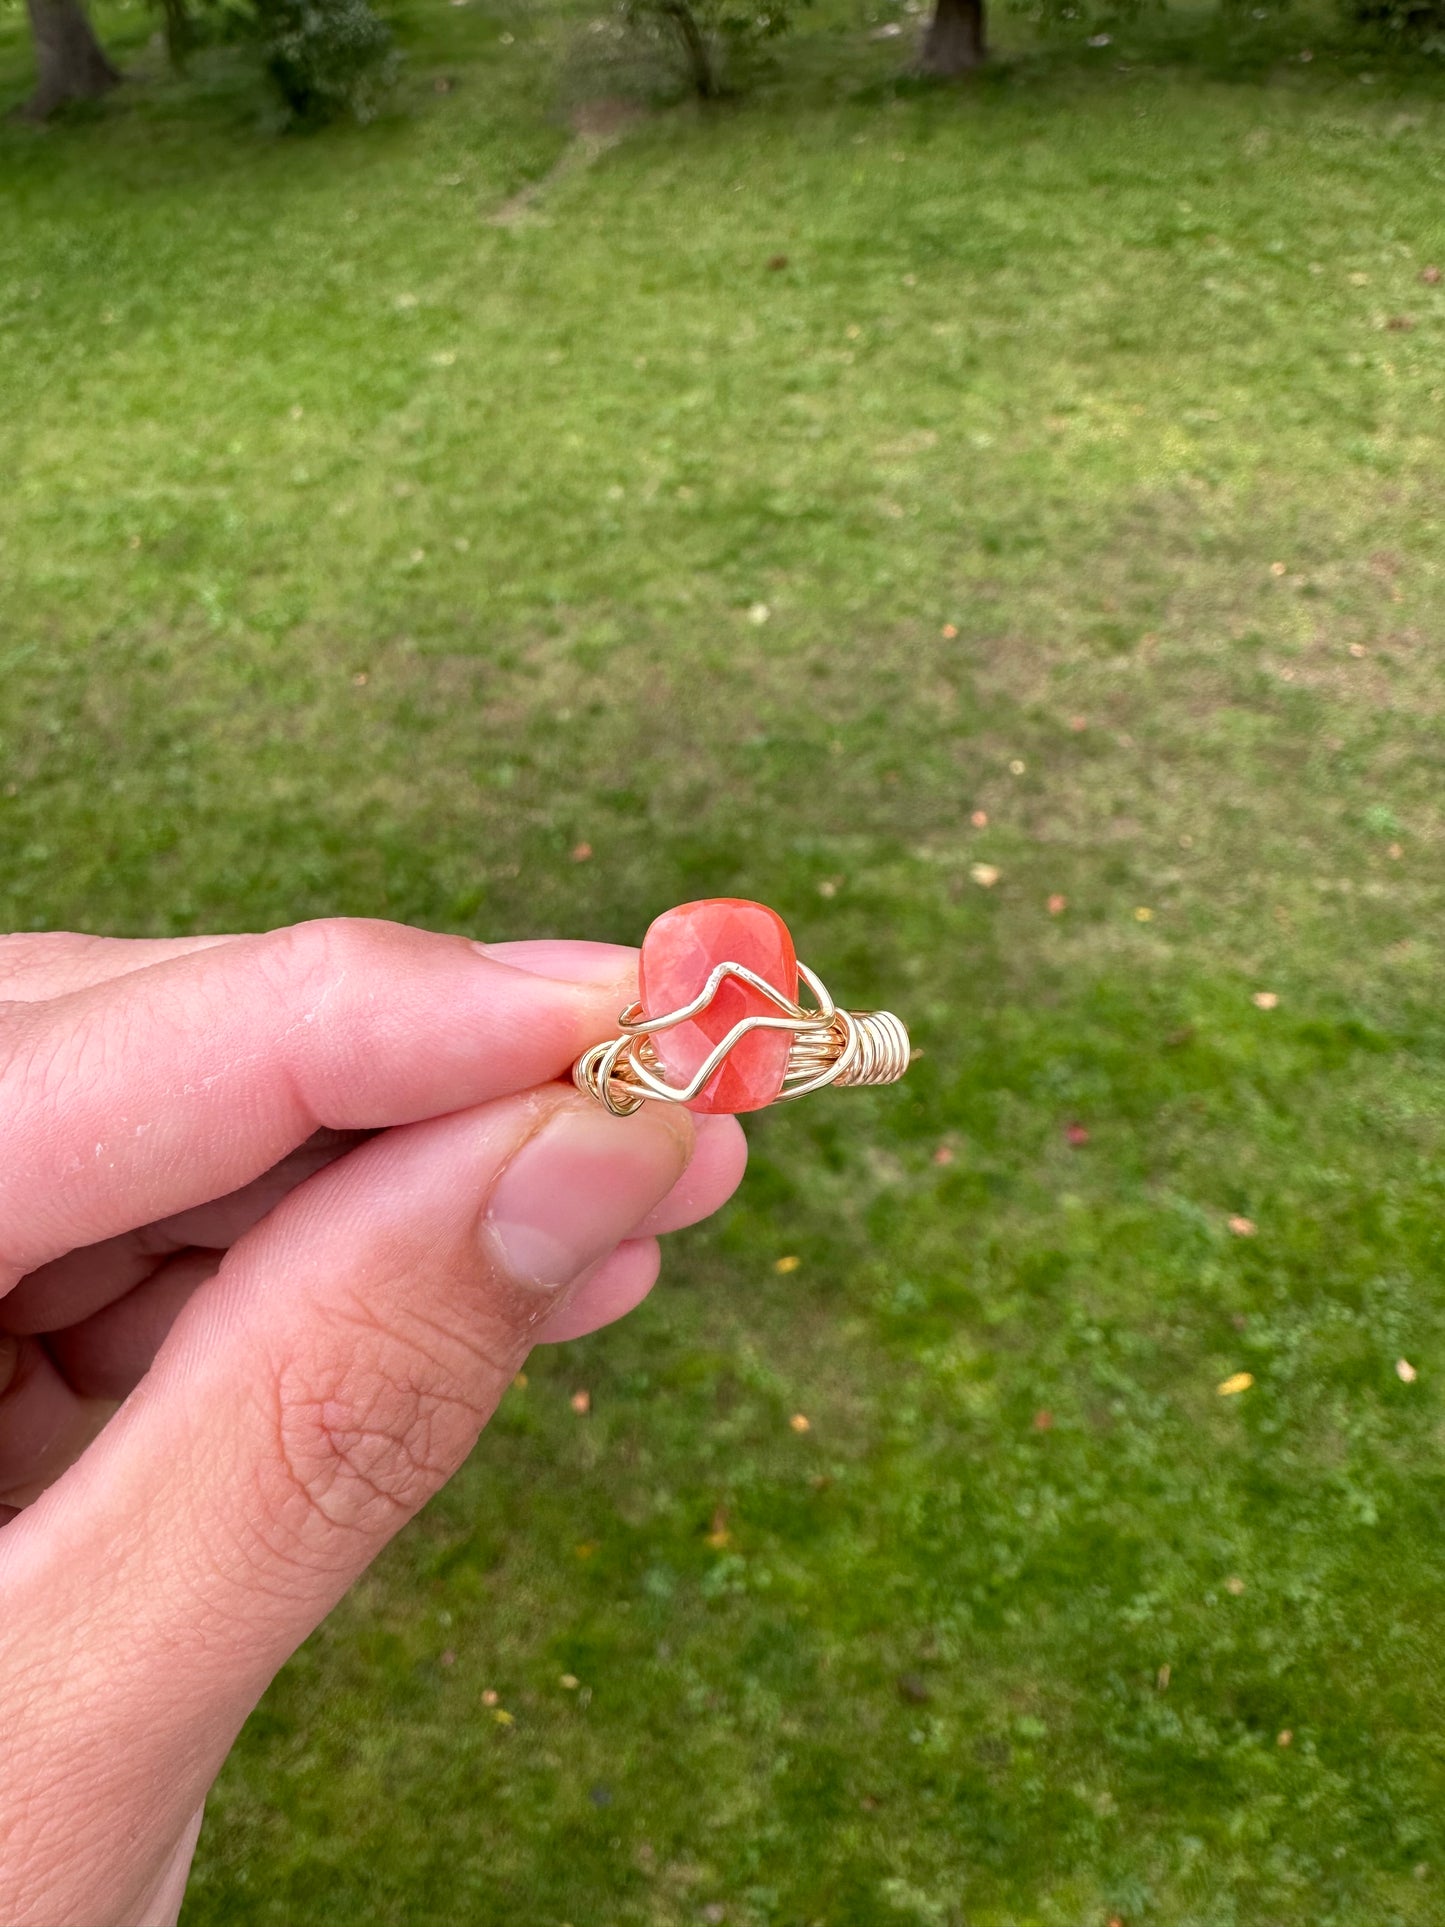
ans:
(136, 1098)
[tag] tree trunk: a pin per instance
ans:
(70, 62)
(695, 48)
(954, 42)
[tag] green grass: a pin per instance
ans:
(1093, 364)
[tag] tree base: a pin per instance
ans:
(954, 43)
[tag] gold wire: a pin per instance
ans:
(829, 1046)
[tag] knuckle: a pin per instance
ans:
(309, 959)
(364, 1436)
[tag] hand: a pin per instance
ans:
(302, 1201)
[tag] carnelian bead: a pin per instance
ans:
(678, 953)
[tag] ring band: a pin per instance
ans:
(827, 1045)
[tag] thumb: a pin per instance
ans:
(307, 1402)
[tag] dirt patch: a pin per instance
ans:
(596, 125)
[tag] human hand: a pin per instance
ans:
(348, 1133)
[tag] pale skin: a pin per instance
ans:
(280, 1217)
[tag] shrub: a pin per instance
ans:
(1419, 24)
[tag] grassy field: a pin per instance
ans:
(376, 531)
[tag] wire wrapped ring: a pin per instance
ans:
(829, 1046)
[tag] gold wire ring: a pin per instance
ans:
(830, 1046)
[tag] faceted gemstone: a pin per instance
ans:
(679, 951)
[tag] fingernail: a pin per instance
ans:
(580, 1185)
(568, 963)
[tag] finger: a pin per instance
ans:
(307, 1402)
(616, 1287)
(83, 1282)
(44, 1425)
(719, 1158)
(106, 1350)
(107, 1355)
(39, 964)
(132, 1100)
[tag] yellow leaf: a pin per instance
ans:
(790, 1263)
(1236, 1382)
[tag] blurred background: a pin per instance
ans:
(451, 471)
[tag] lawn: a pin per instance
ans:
(837, 498)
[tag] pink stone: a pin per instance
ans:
(679, 951)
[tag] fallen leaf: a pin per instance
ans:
(502, 1716)
(799, 1423)
(569, 1682)
(1284, 1738)
(582, 853)
(1243, 1227)
(776, 261)
(1405, 1371)
(948, 631)
(1430, 276)
(1163, 1677)
(1277, 568)
(979, 819)
(1236, 1382)
(1143, 914)
(448, 1658)
(1058, 904)
(828, 887)
(986, 874)
(581, 1402)
(1017, 766)
(1234, 1585)
(1043, 1419)
(1359, 651)
(360, 679)
(520, 1381)
(1395, 852)
(759, 613)
(587, 1548)
(1359, 279)
(490, 1697)
(1077, 1134)
(944, 1154)
(1076, 723)
(1400, 324)
(787, 1264)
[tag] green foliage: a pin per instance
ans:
(324, 57)
(1073, 401)
(1418, 24)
